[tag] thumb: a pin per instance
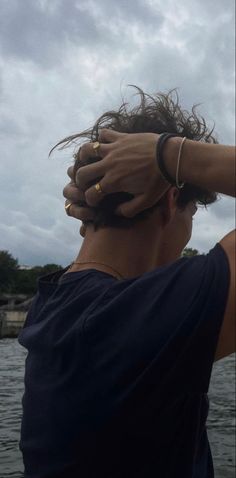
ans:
(109, 135)
(131, 208)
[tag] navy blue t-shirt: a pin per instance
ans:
(118, 371)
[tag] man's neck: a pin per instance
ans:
(130, 252)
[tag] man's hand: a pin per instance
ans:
(128, 164)
(75, 197)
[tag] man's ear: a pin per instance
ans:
(172, 195)
(170, 206)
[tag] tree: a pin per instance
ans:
(26, 281)
(189, 252)
(50, 268)
(8, 271)
(27, 278)
(14, 280)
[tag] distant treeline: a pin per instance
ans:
(14, 280)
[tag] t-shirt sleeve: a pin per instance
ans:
(203, 293)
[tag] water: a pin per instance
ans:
(12, 358)
(221, 419)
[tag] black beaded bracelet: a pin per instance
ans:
(159, 156)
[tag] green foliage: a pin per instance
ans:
(50, 268)
(21, 281)
(8, 271)
(189, 252)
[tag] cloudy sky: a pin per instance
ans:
(63, 63)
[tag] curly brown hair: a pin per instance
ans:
(154, 114)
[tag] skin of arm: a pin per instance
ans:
(210, 166)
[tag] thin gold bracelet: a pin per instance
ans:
(179, 185)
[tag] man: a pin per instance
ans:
(122, 342)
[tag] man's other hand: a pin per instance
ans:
(79, 208)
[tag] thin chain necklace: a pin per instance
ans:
(99, 264)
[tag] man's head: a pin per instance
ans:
(157, 114)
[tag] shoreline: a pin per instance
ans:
(11, 323)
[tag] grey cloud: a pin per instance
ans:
(135, 10)
(224, 210)
(45, 244)
(32, 32)
(29, 32)
(200, 61)
(209, 226)
(210, 9)
(9, 126)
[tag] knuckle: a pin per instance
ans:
(73, 211)
(101, 133)
(90, 199)
(70, 171)
(87, 197)
(83, 152)
(72, 193)
(75, 167)
(109, 161)
(79, 177)
(80, 213)
(82, 148)
(65, 191)
(80, 196)
(128, 212)
(84, 214)
(110, 184)
(76, 155)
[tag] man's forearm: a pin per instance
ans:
(210, 166)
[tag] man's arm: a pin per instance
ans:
(209, 166)
(227, 339)
(129, 164)
(212, 166)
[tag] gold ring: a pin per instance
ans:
(96, 147)
(67, 208)
(98, 188)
